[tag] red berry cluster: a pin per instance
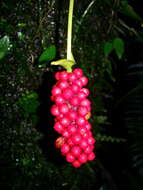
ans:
(72, 111)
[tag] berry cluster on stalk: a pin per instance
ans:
(72, 110)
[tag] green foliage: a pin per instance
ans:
(129, 11)
(117, 44)
(105, 138)
(108, 47)
(48, 54)
(4, 46)
(29, 102)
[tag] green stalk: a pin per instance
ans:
(69, 62)
(69, 34)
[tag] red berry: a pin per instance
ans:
(76, 138)
(59, 99)
(56, 91)
(82, 110)
(66, 134)
(78, 72)
(78, 82)
(85, 102)
(82, 130)
(63, 75)
(86, 91)
(75, 88)
(58, 127)
(76, 150)
(70, 142)
(81, 95)
(76, 164)
(91, 156)
(55, 110)
(65, 121)
(57, 75)
(63, 108)
(88, 149)
(85, 135)
(80, 120)
(91, 140)
(65, 148)
(67, 93)
(63, 84)
(70, 157)
(60, 116)
(74, 101)
(72, 115)
(83, 158)
(84, 80)
(72, 129)
(83, 144)
(72, 77)
(88, 126)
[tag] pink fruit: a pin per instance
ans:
(78, 82)
(72, 77)
(82, 130)
(65, 148)
(67, 93)
(72, 115)
(83, 144)
(85, 102)
(56, 91)
(83, 158)
(63, 84)
(76, 138)
(91, 156)
(63, 75)
(76, 164)
(72, 129)
(63, 108)
(88, 149)
(74, 101)
(86, 91)
(70, 142)
(76, 150)
(88, 126)
(81, 95)
(57, 75)
(66, 134)
(65, 121)
(80, 120)
(55, 110)
(75, 88)
(91, 140)
(58, 127)
(78, 72)
(84, 80)
(70, 157)
(82, 110)
(59, 99)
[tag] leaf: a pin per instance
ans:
(4, 46)
(48, 54)
(129, 11)
(118, 45)
(108, 47)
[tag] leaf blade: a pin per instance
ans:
(48, 54)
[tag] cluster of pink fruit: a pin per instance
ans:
(72, 111)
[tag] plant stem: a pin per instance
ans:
(69, 34)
